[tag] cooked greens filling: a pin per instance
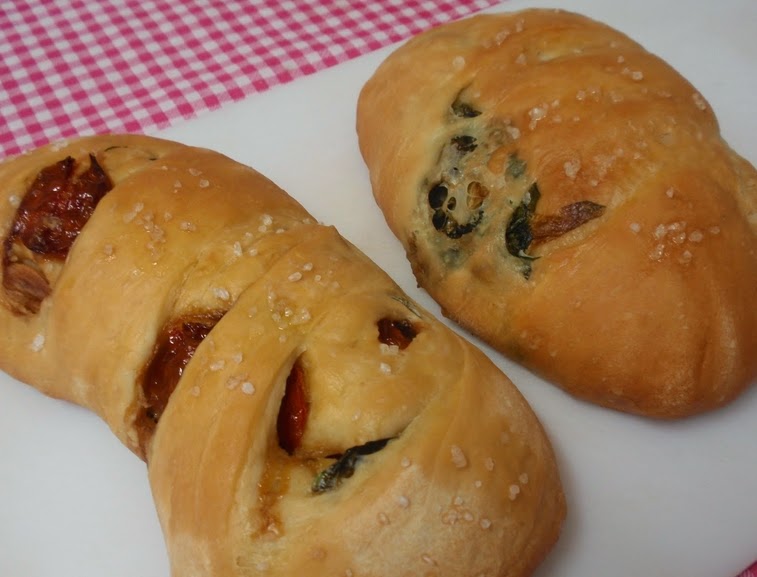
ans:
(344, 467)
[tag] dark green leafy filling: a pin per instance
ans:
(518, 234)
(344, 467)
(464, 110)
(526, 228)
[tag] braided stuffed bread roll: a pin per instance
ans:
(299, 415)
(567, 196)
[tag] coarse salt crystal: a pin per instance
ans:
(308, 266)
(485, 523)
(295, 276)
(391, 350)
(523, 478)
(385, 368)
(458, 63)
(658, 252)
(203, 183)
(696, 236)
(195, 391)
(403, 501)
(221, 293)
(266, 219)
(217, 365)
(635, 227)
(248, 388)
(458, 457)
(14, 200)
(699, 101)
(571, 168)
(513, 491)
(38, 343)
(489, 464)
(195, 172)
(405, 462)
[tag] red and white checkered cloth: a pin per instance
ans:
(71, 67)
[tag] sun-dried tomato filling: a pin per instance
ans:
(49, 218)
(175, 346)
(294, 410)
(398, 332)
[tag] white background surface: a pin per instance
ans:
(646, 499)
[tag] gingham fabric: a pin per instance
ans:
(73, 67)
(749, 572)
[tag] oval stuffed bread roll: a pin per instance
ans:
(567, 196)
(299, 415)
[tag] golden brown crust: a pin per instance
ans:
(460, 480)
(601, 233)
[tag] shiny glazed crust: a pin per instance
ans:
(466, 483)
(602, 233)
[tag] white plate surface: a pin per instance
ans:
(646, 499)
